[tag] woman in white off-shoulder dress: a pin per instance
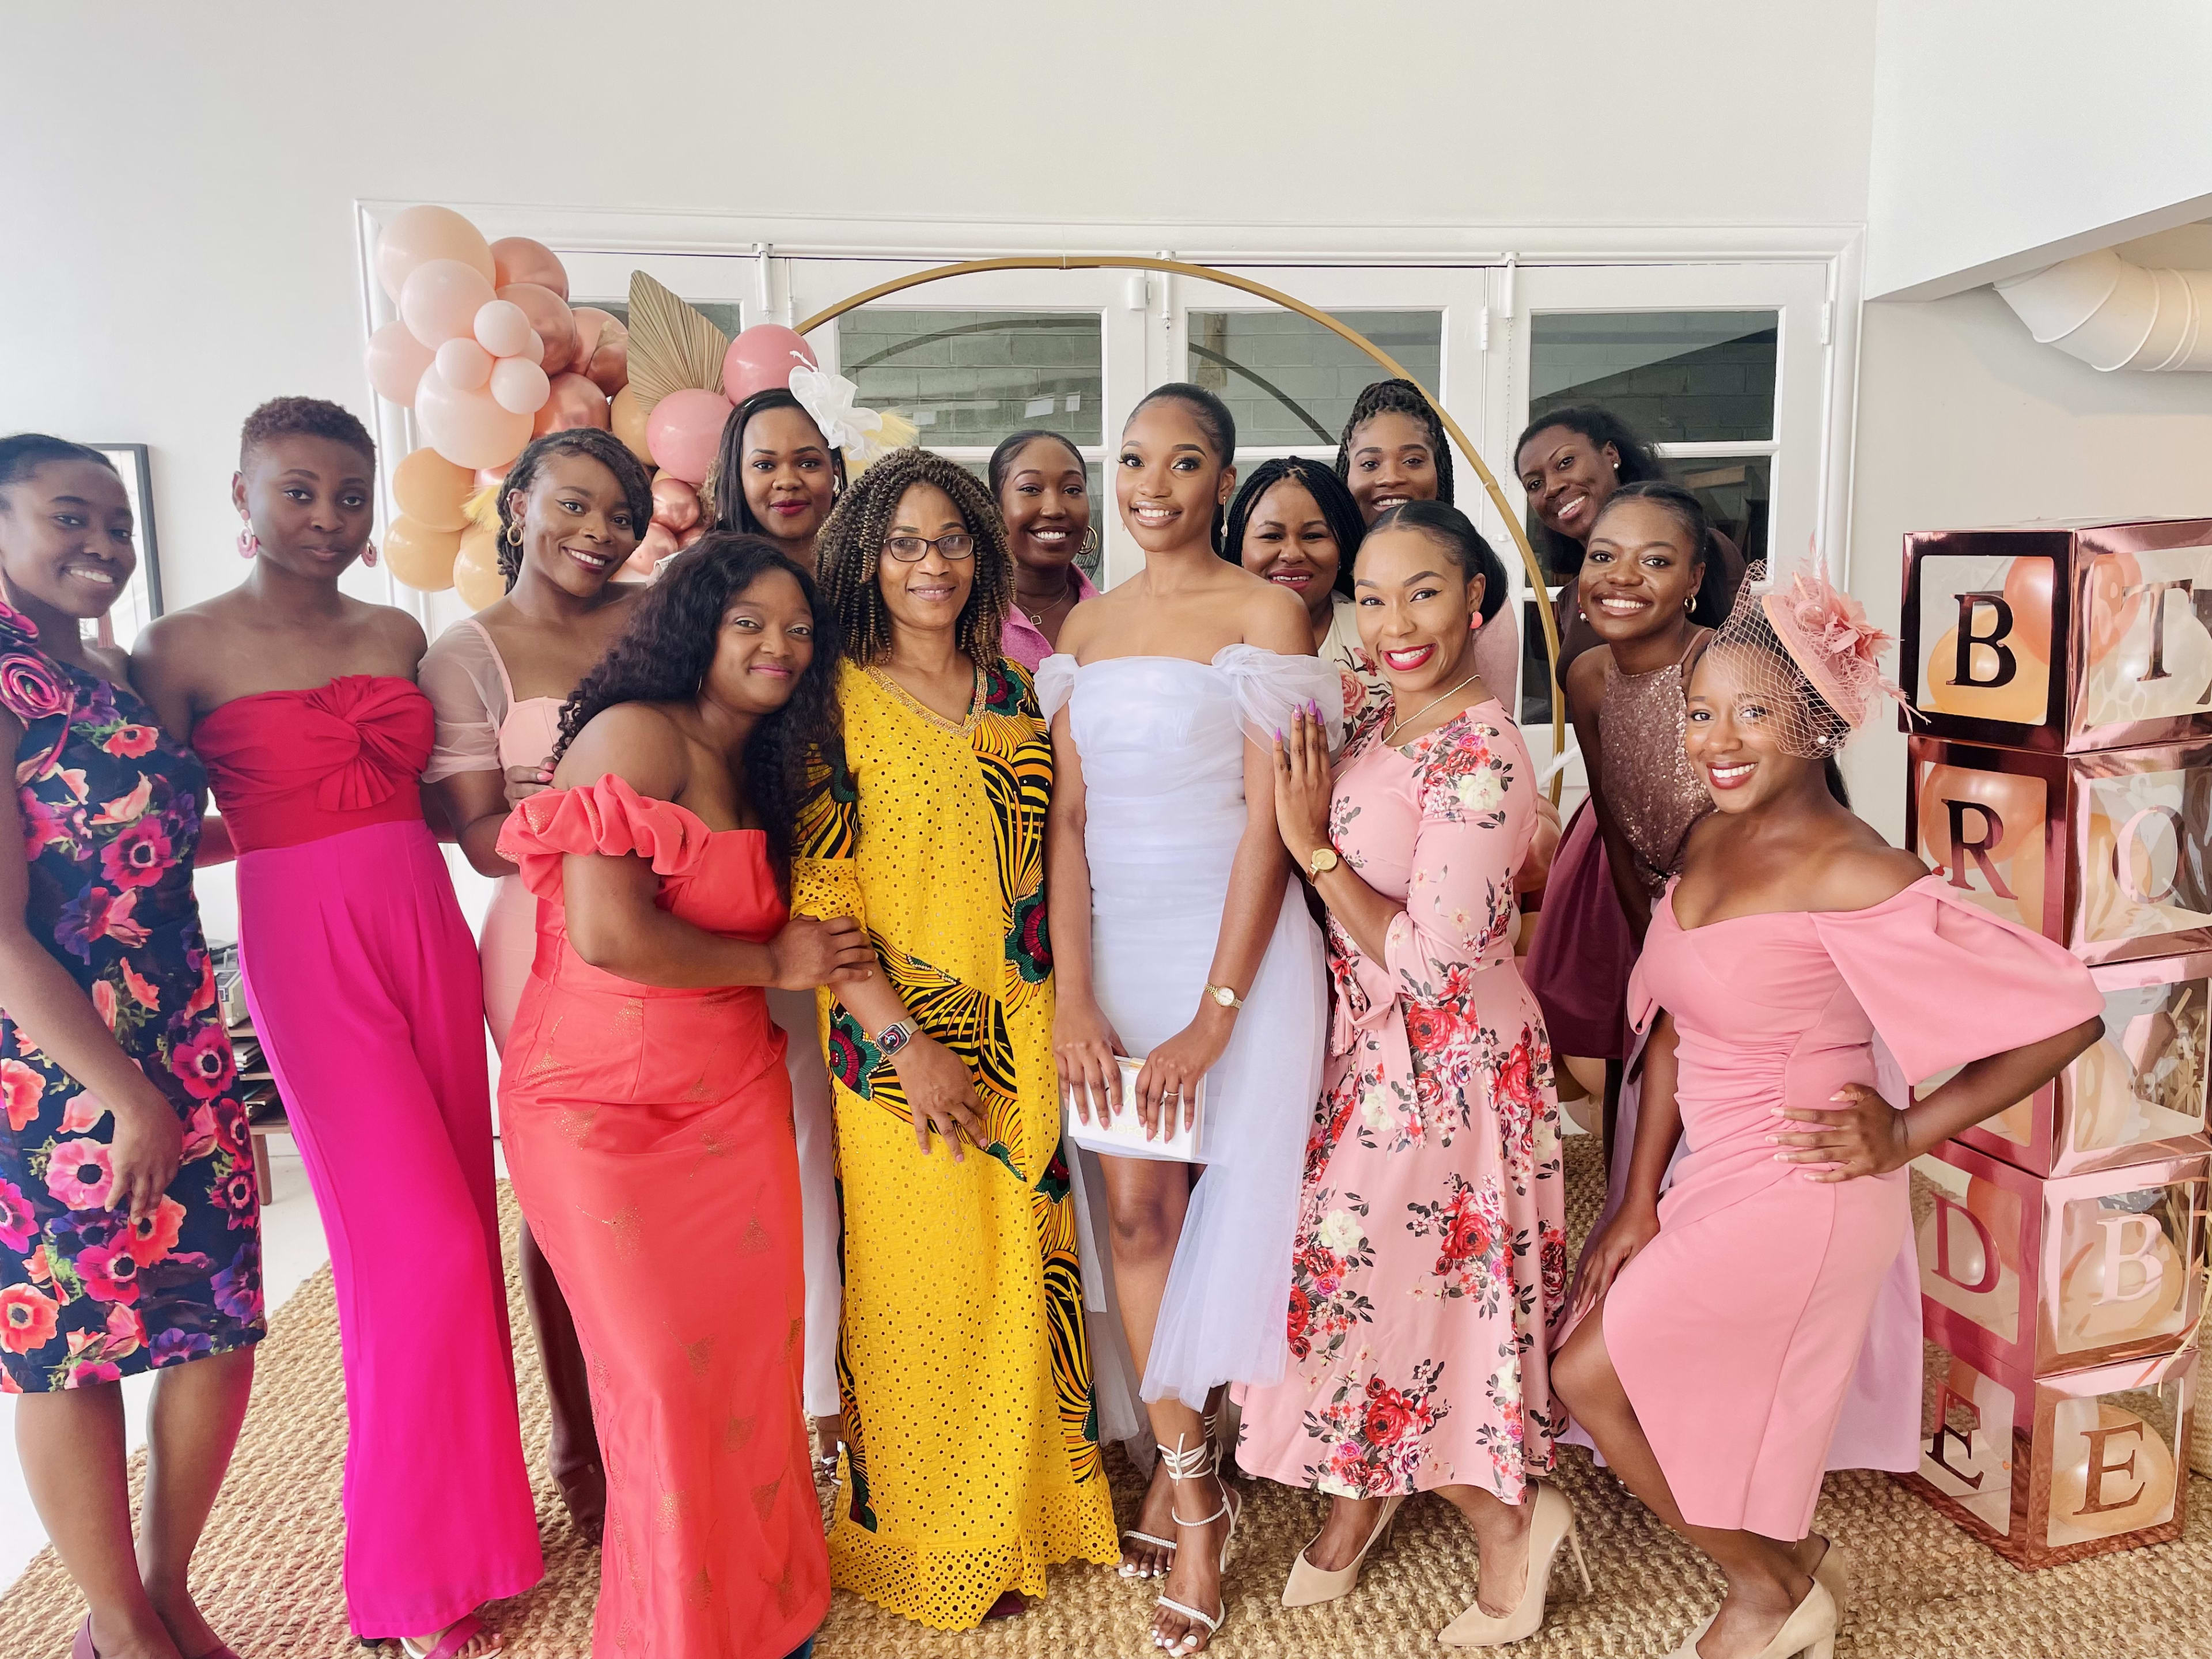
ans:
(1178, 937)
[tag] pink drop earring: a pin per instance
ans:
(368, 554)
(248, 543)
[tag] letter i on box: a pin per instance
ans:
(2060, 638)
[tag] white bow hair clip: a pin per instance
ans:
(865, 435)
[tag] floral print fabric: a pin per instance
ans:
(110, 815)
(1432, 1258)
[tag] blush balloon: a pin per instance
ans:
(520, 259)
(502, 328)
(675, 503)
(684, 432)
(430, 490)
(423, 234)
(571, 401)
(608, 361)
(549, 315)
(763, 357)
(396, 362)
(464, 364)
(533, 346)
(467, 428)
(440, 300)
(519, 385)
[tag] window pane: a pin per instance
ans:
(1674, 376)
(1289, 380)
(724, 315)
(1101, 510)
(971, 377)
(1735, 491)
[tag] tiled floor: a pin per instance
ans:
(292, 1248)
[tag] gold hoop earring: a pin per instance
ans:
(513, 538)
(1089, 549)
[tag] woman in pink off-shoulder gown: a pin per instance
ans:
(1722, 1326)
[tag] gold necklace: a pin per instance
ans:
(1036, 617)
(1390, 736)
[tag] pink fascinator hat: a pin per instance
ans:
(1823, 632)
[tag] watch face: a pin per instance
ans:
(1224, 995)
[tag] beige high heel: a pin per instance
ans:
(1203, 1460)
(1834, 1574)
(1809, 1631)
(1166, 1546)
(1310, 1585)
(1552, 1525)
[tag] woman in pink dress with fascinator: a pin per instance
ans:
(1717, 1328)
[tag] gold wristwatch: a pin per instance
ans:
(1224, 996)
(1321, 861)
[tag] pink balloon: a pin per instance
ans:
(467, 428)
(684, 432)
(549, 315)
(465, 365)
(502, 328)
(396, 360)
(518, 259)
(423, 234)
(675, 503)
(439, 300)
(519, 385)
(656, 544)
(763, 357)
(573, 401)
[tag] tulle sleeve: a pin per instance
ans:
(1056, 684)
(1270, 685)
(460, 675)
(607, 817)
(1945, 983)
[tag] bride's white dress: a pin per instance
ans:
(1162, 744)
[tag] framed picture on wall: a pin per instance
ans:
(141, 600)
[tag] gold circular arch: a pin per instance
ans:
(1208, 274)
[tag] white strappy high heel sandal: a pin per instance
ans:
(1202, 1460)
(1165, 1546)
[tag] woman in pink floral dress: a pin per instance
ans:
(1431, 1250)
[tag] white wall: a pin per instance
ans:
(1964, 421)
(2008, 134)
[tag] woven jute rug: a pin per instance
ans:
(268, 1570)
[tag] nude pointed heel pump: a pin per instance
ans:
(1310, 1585)
(1552, 1525)
(1834, 1573)
(1167, 1545)
(1203, 1460)
(1809, 1632)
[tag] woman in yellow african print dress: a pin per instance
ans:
(971, 1437)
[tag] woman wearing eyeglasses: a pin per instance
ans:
(973, 1461)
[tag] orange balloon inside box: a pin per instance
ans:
(2060, 638)
(2047, 1470)
(2109, 853)
(2044, 1276)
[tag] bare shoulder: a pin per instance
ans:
(397, 629)
(1586, 678)
(168, 645)
(637, 742)
(1274, 618)
(1862, 870)
(1083, 625)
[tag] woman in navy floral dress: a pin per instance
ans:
(130, 1232)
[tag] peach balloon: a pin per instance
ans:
(467, 428)
(675, 503)
(629, 422)
(488, 475)
(423, 234)
(2024, 699)
(464, 364)
(761, 358)
(520, 259)
(2111, 575)
(519, 385)
(441, 299)
(608, 361)
(2122, 1281)
(2027, 591)
(2134, 1468)
(420, 557)
(549, 315)
(572, 402)
(396, 362)
(434, 492)
(476, 572)
(2017, 803)
(502, 328)
(684, 431)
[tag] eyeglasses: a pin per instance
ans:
(907, 549)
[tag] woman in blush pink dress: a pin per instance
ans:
(1431, 1255)
(1721, 1326)
(365, 988)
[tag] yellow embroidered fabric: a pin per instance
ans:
(972, 1441)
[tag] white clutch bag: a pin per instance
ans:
(1122, 1135)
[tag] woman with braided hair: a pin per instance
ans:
(971, 1446)
(571, 509)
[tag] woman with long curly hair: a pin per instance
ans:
(970, 1438)
(571, 509)
(645, 1111)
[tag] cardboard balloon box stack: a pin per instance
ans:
(2062, 777)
